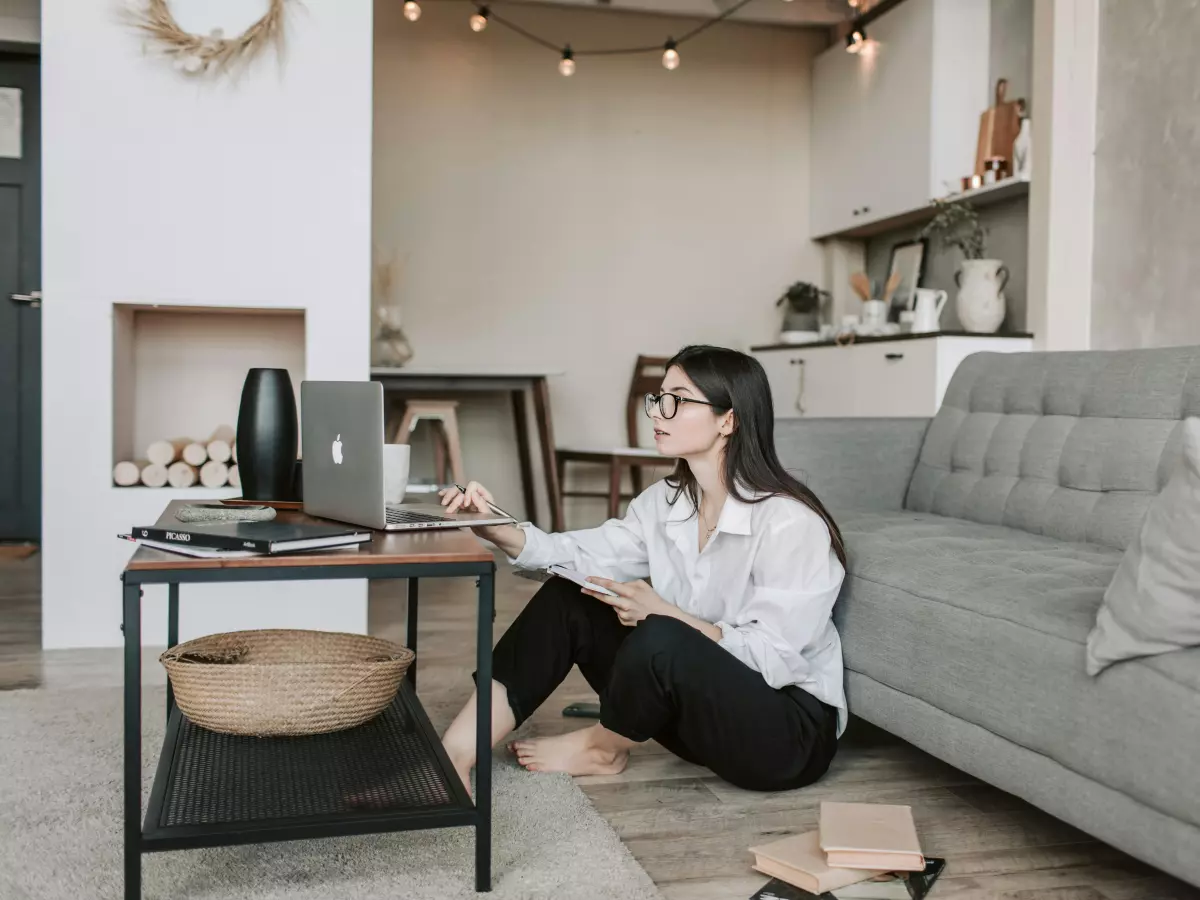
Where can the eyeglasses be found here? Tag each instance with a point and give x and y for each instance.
(668, 404)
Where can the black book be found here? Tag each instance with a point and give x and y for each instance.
(894, 886)
(253, 537)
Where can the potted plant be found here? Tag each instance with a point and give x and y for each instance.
(980, 301)
(802, 307)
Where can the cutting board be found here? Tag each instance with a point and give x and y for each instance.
(998, 128)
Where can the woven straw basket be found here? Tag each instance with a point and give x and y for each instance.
(285, 681)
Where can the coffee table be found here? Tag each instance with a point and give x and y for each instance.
(212, 789)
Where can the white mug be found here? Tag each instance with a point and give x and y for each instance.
(396, 459)
(928, 308)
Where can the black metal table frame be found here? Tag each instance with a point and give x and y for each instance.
(152, 839)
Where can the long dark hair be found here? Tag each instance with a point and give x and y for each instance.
(732, 380)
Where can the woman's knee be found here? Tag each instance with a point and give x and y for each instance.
(555, 591)
(559, 597)
(656, 643)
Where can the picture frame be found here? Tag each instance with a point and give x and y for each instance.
(907, 257)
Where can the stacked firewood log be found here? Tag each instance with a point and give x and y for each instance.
(183, 463)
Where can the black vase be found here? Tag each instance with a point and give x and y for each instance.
(266, 435)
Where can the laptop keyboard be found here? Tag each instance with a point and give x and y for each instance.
(405, 516)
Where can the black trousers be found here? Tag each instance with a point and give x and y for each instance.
(664, 680)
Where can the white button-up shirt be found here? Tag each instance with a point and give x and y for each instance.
(768, 578)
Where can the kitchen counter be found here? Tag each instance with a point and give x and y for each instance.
(884, 338)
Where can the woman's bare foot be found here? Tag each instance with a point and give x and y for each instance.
(581, 752)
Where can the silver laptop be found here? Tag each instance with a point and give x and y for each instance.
(342, 447)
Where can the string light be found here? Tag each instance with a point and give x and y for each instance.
(566, 65)
(484, 16)
(670, 56)
(412, 10)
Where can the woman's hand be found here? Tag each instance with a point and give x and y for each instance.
(474, 500)
(508, 538)
(635, 600)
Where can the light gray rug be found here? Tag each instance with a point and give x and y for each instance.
(60, 829)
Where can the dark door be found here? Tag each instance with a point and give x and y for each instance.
(20, 294)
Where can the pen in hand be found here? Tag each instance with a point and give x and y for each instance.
(497, 510)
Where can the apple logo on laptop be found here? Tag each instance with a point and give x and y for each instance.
(337, 451)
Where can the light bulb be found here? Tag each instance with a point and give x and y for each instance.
(670, 57)
(855, 40)
(566, 65)
(480, 19)
(412, 10)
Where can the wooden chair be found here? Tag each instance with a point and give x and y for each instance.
(442, 416)
(647, 379)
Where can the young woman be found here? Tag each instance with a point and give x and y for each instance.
(730, 660)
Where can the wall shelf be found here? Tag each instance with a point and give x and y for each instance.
(983, 196)
(178, 370)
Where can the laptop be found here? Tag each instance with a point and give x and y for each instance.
(341, 441)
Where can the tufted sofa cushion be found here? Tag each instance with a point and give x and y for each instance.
(989, 624)
(1067, 445)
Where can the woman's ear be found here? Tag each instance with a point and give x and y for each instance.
(728, 424)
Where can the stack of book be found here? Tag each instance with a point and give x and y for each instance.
(865, 851)
(234, 540)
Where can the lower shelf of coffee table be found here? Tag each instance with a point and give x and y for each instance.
(390, 774)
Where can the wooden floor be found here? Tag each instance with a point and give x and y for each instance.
(688, 829)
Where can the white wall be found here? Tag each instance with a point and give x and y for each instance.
(575, 222)
(162, 189)
(1062, 194)
(1147, 207)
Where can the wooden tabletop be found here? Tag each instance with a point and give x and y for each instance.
(436, 545)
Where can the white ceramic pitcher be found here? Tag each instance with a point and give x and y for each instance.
(981, 303)
(929, 306)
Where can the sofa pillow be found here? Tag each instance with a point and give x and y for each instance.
(1153, 603)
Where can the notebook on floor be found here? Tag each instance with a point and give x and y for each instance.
(892, 886)
(799, 860)
(870, 836)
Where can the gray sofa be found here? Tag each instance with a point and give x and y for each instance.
(980, 545)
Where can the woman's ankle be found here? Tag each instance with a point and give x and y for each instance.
(608, 742)
(459, 740)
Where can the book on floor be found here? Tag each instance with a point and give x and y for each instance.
(254, 538)
(875, 836)
(889, 886)
(893, 885)
(778, 889)
(799, 860)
